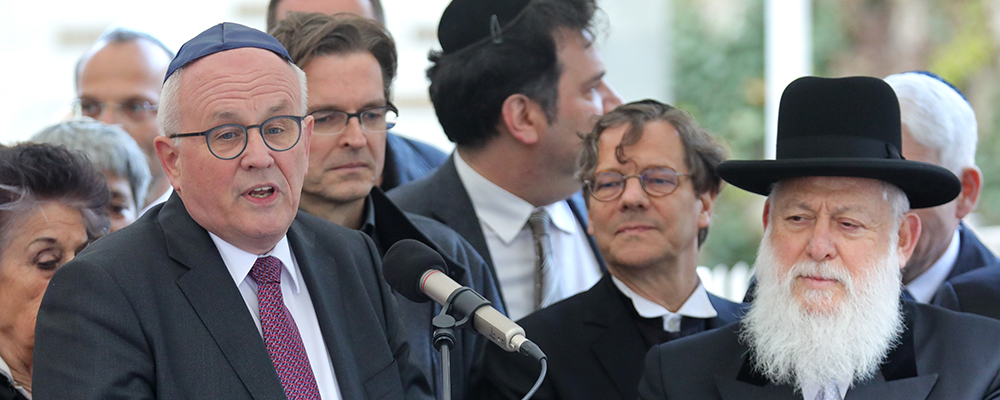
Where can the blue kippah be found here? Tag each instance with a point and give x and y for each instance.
(937, 77)
(222, 37)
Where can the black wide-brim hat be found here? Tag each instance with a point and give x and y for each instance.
(842, 127)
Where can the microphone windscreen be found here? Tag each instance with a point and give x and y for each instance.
(405, 262)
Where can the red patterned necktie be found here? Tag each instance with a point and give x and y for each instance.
(281, 336)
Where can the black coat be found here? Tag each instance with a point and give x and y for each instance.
(941, 355)
(594, 345)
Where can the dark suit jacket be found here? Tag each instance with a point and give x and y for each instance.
(942, 355)
(972, 253)
(151, 311)
(442, 197)
(464, 265)
(976, 292)
(7, 391)
(594, 345)
(407, 159)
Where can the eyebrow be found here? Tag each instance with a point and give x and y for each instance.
(367, 105)
(595, 79)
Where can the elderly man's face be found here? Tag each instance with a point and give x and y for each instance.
(249, 201)
(637, 230)
(840, 225)
(344, 167)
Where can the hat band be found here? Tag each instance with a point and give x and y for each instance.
(830, 146)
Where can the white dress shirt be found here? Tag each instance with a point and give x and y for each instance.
(924, 286)
(697, 305)
(162, 199)
(297, 301)
(5, 370)
(504, 220)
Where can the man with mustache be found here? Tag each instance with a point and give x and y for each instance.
(649, 231)
(350, 63)
(827, 322)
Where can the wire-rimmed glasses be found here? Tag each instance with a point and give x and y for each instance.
(656, 181)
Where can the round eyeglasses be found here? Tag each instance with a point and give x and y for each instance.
(133, 110)
(656, 181)
(375, 119)
(228, 141)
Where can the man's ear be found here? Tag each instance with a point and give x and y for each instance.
(523, 118)
(909, 233)
(972, 185)
(706, 209)
(166, 151)
(767, 212)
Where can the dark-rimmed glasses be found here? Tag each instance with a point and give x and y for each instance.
(229, 140)
(375, 119)
(656, 181)
(132, 110)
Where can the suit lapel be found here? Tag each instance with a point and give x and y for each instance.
(213, 295)
(321, 275)
(612, 323)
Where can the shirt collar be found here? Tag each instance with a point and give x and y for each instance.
(5, 371)
(502, 211)
(240, 262)
(924, 286)
(368, 220)
(698, 305)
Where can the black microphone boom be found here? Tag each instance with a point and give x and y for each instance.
(417, 272)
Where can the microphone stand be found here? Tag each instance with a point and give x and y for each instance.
(444, 329)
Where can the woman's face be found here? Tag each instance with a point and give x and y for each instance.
(122, 209)
(38, 244)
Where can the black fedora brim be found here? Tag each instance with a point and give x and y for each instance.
(926, 185)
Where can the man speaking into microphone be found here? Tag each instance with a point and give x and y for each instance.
(649, 230)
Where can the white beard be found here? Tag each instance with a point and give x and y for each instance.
(847, 344)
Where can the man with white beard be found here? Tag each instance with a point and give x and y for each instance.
(827, 322)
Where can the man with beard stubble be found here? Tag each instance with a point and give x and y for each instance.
(827, 322)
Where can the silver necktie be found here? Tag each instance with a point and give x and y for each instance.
(538, 222)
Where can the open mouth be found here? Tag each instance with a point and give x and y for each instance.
(261, 192)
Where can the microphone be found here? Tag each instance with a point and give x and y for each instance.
(418, 273)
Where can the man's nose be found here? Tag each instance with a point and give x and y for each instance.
(821, 246)
(353, 134)
(610, 99)
(633, 195)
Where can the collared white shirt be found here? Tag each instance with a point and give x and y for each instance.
(162, 199)
(811, 389)
(697, 305)
(5, 370)
(503, 218)
(924, 286)
(297, 301)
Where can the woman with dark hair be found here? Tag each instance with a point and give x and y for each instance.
(52, 204)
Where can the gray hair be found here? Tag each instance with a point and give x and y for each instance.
(169, 116)
(899, 204)
(108, 147)
(938, 117)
